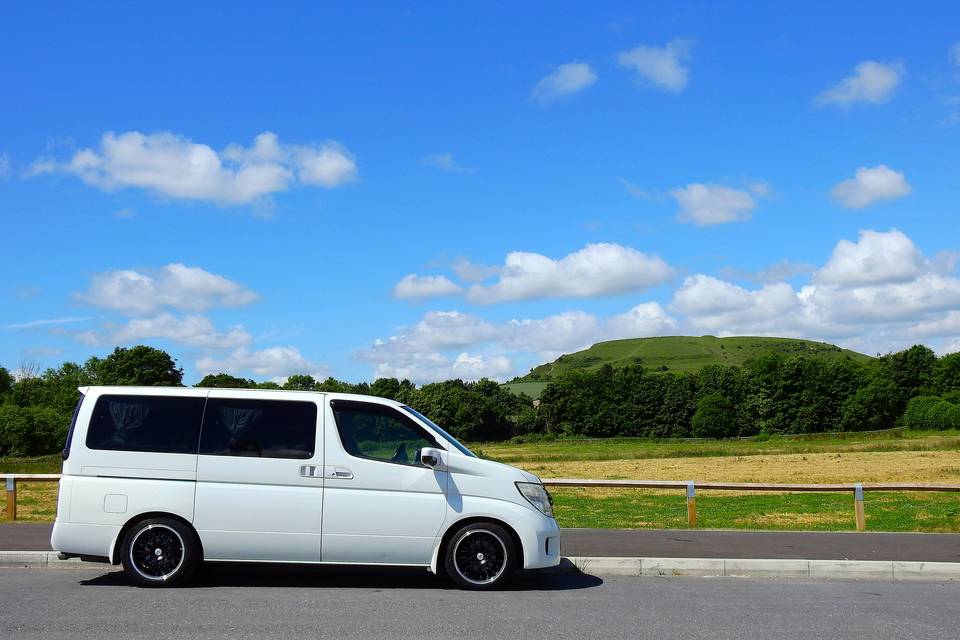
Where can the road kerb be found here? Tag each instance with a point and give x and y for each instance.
(632, 566)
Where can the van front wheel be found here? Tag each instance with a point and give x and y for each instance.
(159, 552)
(480, 555)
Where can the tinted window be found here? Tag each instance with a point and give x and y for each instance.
(379, 432)
(161, 424)
(259, 428)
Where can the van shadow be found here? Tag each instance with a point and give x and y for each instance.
(212, 575)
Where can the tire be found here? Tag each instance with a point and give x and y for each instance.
(160, 552)
(480, 556)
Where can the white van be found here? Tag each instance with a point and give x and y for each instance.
(161, 479)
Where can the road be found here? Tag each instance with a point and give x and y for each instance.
(678, 543)
(296, 602)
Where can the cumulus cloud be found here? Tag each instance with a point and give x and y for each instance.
(173, 166)
(875, 258)
(871, 82)
(710, 204)
(870, 185)
(175, 285)
(663, 67)
(193, 330)
(565, 80)
(874, 294)
(445, 162)
(438, 346)
(597, 269)
(272, 362)
(414, 286)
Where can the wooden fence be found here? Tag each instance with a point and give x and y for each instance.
(689, 486)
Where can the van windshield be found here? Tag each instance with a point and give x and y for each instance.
(446, 436)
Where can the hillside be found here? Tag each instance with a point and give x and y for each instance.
(675, 353)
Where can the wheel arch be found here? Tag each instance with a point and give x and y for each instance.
(118, 542)
(436, 565)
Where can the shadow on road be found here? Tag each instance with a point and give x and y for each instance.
(322, 577)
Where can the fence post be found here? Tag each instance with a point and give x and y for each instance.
(691, 504)
(11, 498)
(858, 506)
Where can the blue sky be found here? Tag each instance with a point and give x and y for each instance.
(376, 189)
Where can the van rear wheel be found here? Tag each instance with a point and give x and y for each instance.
(480, 556)
(159, 552)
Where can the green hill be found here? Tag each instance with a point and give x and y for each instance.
(675, 353)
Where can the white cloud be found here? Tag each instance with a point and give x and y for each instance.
(432, 367)
(876, 294)
(33, 324)
(175, 286)
(870, 185)
(565, 80)
(595, 270)
(194, 330)
(644, 320)
(947, 325)
(663, 67)
(872, 82)
(875, 258)
(445, 162)
(414, 286)
(472, 272)
(173, 166)
(709, 204)
(272, 362)
(427, 351)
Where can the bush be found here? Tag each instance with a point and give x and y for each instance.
(714, 418)
(931, 412)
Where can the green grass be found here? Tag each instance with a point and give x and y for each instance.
(676, 353)
(885, 511)
(641, 448)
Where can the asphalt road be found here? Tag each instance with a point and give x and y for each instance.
(679, 543)
(256, 602)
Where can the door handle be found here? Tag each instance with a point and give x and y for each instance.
(340, 473)
(310, 471)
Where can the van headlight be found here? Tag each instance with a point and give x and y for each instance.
(537, 496)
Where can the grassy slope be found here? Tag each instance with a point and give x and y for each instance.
(677, 353)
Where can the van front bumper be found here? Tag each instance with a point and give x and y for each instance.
(541, 545)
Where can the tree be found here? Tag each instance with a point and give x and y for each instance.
(300, 382)
(715, 418)
(871, 408)
(946, 373)
(911, 370)
(6, 381)
(225, 381)
(139, 365)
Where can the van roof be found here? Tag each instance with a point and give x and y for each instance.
(148, 390)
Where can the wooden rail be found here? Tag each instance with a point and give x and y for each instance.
(689, 486)
(857, 488)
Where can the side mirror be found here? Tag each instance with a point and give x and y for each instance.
(430, 457)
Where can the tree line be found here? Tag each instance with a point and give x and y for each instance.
(769, 395)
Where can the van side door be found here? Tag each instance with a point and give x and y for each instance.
(260, 477)
(381, 505)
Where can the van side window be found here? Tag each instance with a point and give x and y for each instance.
(158, 424)
(378, 432)
(259, 428)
